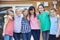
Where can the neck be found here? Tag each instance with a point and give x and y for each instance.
(25, 17)
(42, 11)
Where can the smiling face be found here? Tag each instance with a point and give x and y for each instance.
(25, 12)
(53, 12)
(10, 12)
(41, 9)
(32, 11)
(18, 12)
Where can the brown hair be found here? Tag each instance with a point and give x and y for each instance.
(24, 11)
(53, 9)
(41, 5)
(10, 11)
(30, 9)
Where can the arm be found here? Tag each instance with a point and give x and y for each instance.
(59, 26)
(38, 20)
(47, 12)
(5, 26)
(10, 17)
(38, 23)
(57, 35)
(58, 23)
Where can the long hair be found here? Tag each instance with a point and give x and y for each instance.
(24, 11)
(30, 9)
(10, 11)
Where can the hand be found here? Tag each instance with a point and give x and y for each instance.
(3, 34)
(57, 35)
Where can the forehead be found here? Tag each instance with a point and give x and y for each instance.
(32, 10)
(18, 10)
(26, 10)
(40, 6)
(52, 11)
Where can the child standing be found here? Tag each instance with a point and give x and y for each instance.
(55, 25)
(44, 20)
(17, 24)
(25, 29)
(8, 26)
(35, 29)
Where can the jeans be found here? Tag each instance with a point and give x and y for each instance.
(7, 37)
(26, 36)
(45, 35)
(35, 34)
(16, 36)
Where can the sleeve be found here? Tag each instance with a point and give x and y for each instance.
(47, 12)
(38, 16)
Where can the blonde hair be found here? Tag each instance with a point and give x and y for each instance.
(18, 9)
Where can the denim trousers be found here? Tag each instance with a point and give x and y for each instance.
(7, 37)
(45, 35)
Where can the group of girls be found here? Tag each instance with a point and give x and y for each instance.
(31, 23)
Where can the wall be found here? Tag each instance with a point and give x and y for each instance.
(31, 2)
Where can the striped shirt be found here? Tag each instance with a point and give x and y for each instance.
(25, 26)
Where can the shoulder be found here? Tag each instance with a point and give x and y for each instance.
(39, 15)
(47, 12)
(23, 19)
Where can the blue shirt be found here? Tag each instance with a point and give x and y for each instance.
(25, 26)
(17, 23)
(54, 25)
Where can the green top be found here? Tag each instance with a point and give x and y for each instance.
(44, 21)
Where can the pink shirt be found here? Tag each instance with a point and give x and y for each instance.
(34, 22)
(9, 28)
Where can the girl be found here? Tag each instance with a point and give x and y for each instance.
(8, 26)
(55, 25)
(44, 20)
(17, 24)
(25, 29)
(35, 29)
